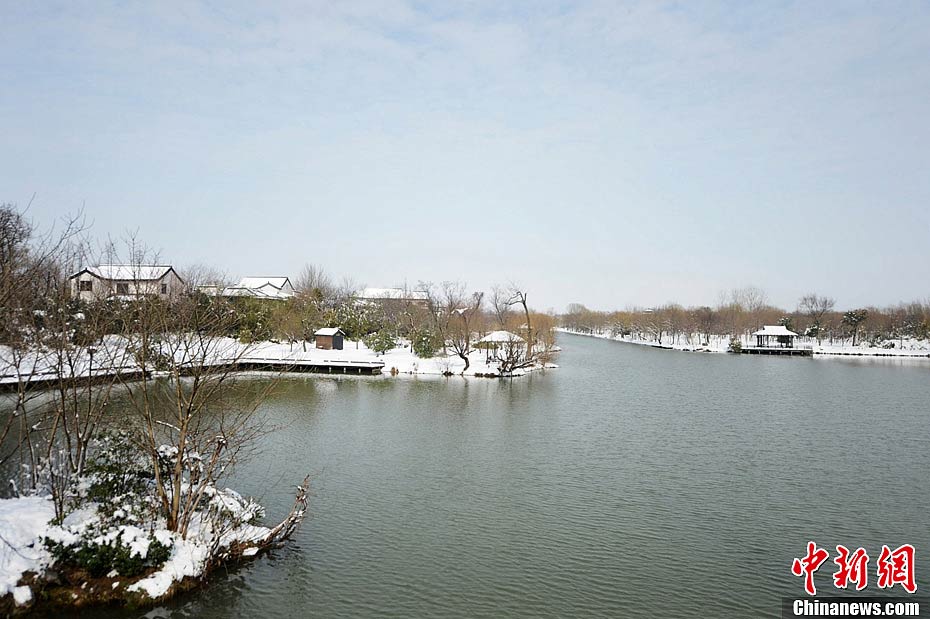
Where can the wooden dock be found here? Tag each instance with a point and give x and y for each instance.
(46, 380)
(321, 366)
(49, 380)
(772, 350)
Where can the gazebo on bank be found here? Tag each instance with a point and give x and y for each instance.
(496, 340)
(775, 336)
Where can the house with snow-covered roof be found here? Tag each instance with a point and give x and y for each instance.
(125, 280)
(276, 288)
(392, 296)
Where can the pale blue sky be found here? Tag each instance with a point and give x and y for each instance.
(600, 152)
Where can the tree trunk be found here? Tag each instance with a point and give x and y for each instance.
(529, 330)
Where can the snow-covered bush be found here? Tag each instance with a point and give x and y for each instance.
(116, 522)
(98, 548)
(112, 511)
(380, 341)
(424, 344)
(230, 508)
(735, 345)
(115, 471)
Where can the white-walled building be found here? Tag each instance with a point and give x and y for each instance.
(125, 280)
(256, 288)
(392, 296)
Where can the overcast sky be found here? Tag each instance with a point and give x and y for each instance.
(598, 152)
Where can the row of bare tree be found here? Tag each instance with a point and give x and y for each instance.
(742, 311)
(446, 317)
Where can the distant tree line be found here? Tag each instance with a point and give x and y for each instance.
(741, 311)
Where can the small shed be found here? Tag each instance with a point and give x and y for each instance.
(329, 338)
(775, 336)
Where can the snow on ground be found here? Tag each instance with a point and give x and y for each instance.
(188, 558)
(110, 354)
(714, 344)
(400, 360)
(22, 522)
(908, 348)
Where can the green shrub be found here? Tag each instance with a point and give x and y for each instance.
(118, 481)
(98, 554)
(118, 477)
(735, 345)
(380, 341)
(424, 344)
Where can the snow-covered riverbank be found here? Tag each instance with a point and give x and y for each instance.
(908, 349)
(113, 355)
(397, 361)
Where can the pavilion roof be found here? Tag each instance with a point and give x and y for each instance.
(775, 330)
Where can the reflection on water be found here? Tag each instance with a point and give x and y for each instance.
(630, 482)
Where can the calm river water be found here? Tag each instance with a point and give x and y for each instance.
(630, 482)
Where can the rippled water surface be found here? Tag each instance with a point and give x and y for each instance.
(630, 482)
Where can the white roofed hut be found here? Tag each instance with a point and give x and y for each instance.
(329, 338)
(775, 336)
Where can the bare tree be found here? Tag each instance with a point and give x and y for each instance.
(32, 262)
(750, 298)
(438, 314)
(348, 289)
(198, 276)
(44, 347)
(815, 307)
(511, 355)
(518, 297)
(314, 280)
(87, 365)
(501, 306)
(464, 312)
(455, 315)
(195, 417)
